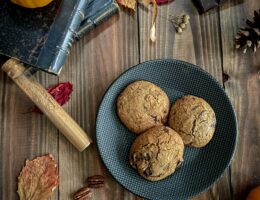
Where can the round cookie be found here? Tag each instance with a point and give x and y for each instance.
(156, 153)
(142, 105)
(194, 119)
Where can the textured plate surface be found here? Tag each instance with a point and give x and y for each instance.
(201, 167)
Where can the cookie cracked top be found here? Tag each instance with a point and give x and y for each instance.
(194, 119)
(156, 153)
(142, 105)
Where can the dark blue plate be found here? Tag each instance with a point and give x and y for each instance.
(201, 167)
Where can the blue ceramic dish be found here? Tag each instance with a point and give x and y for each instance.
(201, 167)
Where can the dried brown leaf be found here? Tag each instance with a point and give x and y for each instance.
(38, 178)
(127, 3)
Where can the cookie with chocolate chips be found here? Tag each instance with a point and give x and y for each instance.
(142, 105)
(156, 153)
(194, 119)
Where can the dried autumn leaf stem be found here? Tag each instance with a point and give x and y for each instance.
(155, 11)
(131, 4)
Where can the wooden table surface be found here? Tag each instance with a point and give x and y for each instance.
(109, 50)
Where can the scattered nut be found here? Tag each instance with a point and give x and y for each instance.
(96, 181)
(83, 193)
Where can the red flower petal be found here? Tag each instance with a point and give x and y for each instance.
(60, 92)
(159, 2)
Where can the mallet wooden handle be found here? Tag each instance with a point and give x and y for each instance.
(45, 102)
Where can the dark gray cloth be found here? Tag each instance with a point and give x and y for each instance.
(40, 37)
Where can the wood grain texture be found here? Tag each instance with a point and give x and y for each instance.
(46, 103)
(200, 44)
(243, 87)
(98, 59)
(23, 134)
(94, 63)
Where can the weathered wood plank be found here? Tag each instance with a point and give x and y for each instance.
(94, 63)
(23, 134)
(198, 44)
(243, 87)
(98, 59)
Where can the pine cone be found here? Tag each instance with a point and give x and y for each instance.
(249, 37)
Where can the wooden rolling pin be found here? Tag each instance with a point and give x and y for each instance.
(47, 104)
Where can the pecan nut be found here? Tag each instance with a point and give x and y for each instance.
(96, 181)
(83, 193)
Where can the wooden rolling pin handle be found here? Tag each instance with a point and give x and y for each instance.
(45, 102)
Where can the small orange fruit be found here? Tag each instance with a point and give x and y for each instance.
(254, 194)
(32, 3)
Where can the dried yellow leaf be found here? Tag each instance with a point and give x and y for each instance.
(127, 3)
